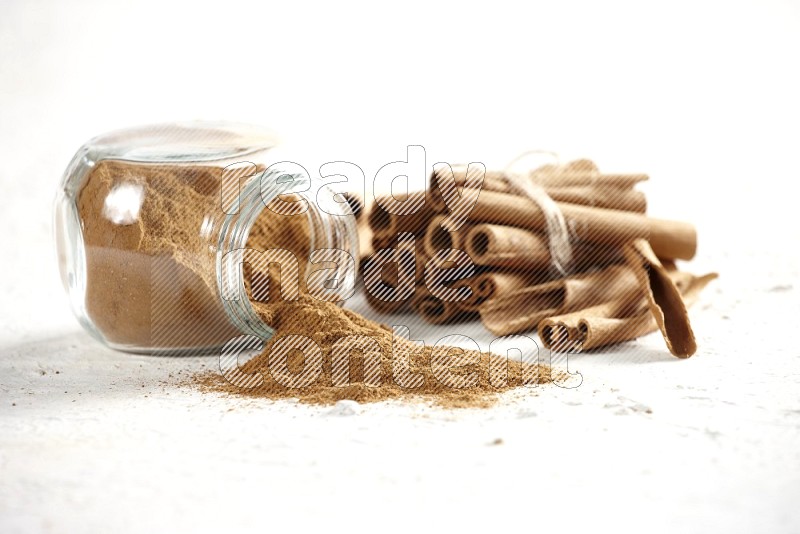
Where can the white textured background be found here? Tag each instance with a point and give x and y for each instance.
(700, 95)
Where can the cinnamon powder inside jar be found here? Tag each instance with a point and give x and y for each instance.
(150, 253)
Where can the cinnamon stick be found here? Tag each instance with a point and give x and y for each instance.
(600, 196)
(385, 224)
(578, 185)
(583, 172)
(522, 310)
(494, 284)
(615, 321)
(663, 297)
(438, 238)
(669, 239)
(437, 311)
(389, 277)
(510, 247)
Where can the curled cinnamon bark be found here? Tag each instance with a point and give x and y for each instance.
(437, 238)
(522, 310)
(577, 182)
(495, 284)
(385, 224)
(669, 239)
(663, 297)
(389, 278)
(501, 246)
(615, 321)
(438, 311)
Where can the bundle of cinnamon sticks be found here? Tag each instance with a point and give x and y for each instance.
(478, 247)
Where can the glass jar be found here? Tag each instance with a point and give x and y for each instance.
(152, 225)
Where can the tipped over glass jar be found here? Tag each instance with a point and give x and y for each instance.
(153, 225)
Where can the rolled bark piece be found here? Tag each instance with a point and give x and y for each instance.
(422, 261)
(609, 197)
(583, 172)
(510, 247)
(613, 322)
(431, 308)
(381, 242)
(436, 311)
(492, 180)
(357, 205)
(663, 297)
(575, 185)
(574, 173)
(507, 246)
(386, 224)
(573, 178)
(669, 239)
(436, 238)
(522, 310)
(387, 241)
(494, 284)
(389, 278)
(365, 237)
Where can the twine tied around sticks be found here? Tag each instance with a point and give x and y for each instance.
(559, 239)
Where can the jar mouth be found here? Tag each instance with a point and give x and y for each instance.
(326, 230)
(230, 262)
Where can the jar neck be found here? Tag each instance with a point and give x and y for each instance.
(336, 230)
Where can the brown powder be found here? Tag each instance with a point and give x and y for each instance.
(151, 282)
(150, 239)
(149, 266)
(325, 323)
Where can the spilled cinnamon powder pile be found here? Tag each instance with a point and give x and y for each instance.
(327, 323)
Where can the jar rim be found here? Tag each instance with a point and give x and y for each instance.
(326, 230)
(188, 141)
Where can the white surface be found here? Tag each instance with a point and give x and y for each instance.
(699, 95)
